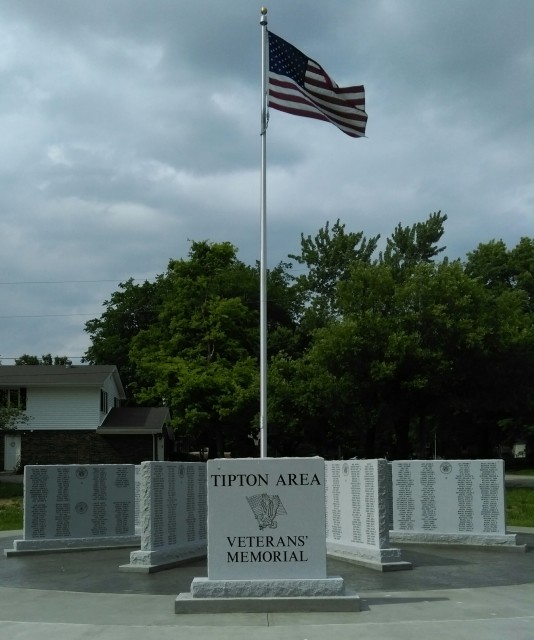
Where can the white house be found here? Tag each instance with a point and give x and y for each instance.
(67, 407)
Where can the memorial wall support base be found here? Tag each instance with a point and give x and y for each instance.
(153, 561)
(504, 541)
(61, 545)
(372, 558)
(264, 596)
(185, 603)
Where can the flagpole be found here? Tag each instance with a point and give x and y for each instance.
(263, 239)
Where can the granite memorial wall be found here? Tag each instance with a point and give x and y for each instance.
(78, 506)
(137, 494)
(357, 528)
(449, 501)
(172, 514)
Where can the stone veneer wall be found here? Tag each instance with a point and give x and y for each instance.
(83, 447)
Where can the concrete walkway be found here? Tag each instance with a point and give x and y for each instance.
(519, 481)
(460, 593)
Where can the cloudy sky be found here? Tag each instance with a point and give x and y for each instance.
(129, 128)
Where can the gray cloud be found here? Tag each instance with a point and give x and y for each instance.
(130, 128)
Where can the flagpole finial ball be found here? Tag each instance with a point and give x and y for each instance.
(263, 11)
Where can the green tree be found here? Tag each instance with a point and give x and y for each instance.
(199, 358)
(305, 407)
(13, 409)
(12, 418)
(417, 349)
(367, 357)
(134, 308)
(431, 354)
(522, 260)
(500, 269)
(344, 348)
(190, 340)
(508, 276)
(45, 359)
(328, 258)
(27, 359)
(410, 246)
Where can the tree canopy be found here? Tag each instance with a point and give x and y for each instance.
(45, 359)
(397, 354)
(12, 417)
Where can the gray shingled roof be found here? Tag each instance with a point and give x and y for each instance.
(41, 375)
(136, 420)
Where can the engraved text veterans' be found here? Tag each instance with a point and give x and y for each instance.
(279, 549)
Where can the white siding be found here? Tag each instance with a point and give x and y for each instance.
(111, 389)
(63, 408)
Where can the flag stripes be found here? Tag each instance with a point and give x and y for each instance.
(300, 86)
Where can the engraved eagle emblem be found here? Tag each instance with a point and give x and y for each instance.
(265, 509)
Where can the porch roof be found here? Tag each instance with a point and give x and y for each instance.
(137, 421)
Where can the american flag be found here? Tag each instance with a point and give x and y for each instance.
(300, 86)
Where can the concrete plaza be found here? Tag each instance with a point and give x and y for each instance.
(452, 592)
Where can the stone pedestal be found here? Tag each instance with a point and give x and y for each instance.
(206, 588)
(266, 540)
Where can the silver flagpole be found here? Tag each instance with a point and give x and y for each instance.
(263, 238)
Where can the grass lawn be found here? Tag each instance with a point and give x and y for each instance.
(10, 506)
(520, 506)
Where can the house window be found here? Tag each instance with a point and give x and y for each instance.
(117, 403)
(103, 401)
(13, 398)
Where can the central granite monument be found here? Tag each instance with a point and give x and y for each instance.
(266, 540)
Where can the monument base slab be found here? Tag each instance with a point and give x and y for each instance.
(278, 588)
(186, 603)
(379, 559)
(153, 561)
(58, 545)
(502, 541)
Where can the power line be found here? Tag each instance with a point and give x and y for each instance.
(49, 315)
(18, 358)
(144, 279)
(72, 281)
